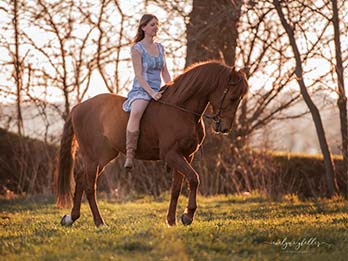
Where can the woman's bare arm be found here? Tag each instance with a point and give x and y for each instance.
(165, 74)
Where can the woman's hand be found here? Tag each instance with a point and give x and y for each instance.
(156, 95)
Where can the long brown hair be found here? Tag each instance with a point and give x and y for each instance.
(143, 22)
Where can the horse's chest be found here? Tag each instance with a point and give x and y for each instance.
(188, 145)
(189, 141)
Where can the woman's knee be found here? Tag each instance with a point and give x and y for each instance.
(138, 108)
(136, 114)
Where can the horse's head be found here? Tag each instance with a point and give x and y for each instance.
(226, 99)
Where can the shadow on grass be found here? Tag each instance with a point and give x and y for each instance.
(26, 203)
(264, 209)
(244, 200)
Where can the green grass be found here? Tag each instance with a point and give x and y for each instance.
(226, 228)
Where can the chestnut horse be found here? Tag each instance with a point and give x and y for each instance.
(172, 130)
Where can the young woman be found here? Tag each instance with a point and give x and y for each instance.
(149, 65)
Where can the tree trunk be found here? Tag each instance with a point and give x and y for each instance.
(212, 34)
(342, 99)
(212, 31)
(330, 173)
(18, 70)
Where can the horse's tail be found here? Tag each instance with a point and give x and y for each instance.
(65, 172)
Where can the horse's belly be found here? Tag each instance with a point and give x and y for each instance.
(147, 154)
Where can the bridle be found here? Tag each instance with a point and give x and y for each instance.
(216, 117)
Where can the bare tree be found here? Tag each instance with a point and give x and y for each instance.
(330, 12)
(259, 51)
(342, 99)
(109, 47)
(215, 31)
(14, 65)
(76, 45)
(18, 68)
(329, 166)
(53, 51)
(66, 44)
(172, 33)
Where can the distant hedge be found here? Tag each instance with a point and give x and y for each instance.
(305, 174)
(27, 167)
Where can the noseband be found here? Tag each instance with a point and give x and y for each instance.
(216, 117)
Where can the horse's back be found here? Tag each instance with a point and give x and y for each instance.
(100, 120)
(98, 108)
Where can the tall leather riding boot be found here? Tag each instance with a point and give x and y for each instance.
(131, 147)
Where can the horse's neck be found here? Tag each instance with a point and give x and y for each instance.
(198, 99)
(198, 104)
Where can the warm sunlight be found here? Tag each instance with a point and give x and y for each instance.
(173, 130)
(97, 60)
(96, 84)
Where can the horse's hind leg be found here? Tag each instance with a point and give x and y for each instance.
(92, 171)
(68, 220)
(90, 189)
(75, 212)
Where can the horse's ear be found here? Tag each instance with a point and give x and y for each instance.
(234, 73)
(245, 72)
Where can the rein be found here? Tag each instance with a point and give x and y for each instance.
(215, 117)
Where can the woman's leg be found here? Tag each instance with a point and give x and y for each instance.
(137, 109)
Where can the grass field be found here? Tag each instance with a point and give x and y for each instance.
(249, 227)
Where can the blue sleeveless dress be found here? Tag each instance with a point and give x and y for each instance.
(151, 70)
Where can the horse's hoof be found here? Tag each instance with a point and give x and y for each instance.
(103, 227)
(186, 220)
(171, 223)
(66, 221)
(99, 223)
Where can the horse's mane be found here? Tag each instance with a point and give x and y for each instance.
(197, 78)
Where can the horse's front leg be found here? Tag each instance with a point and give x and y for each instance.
(175, 192)
(180, 163)
(177, 179)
